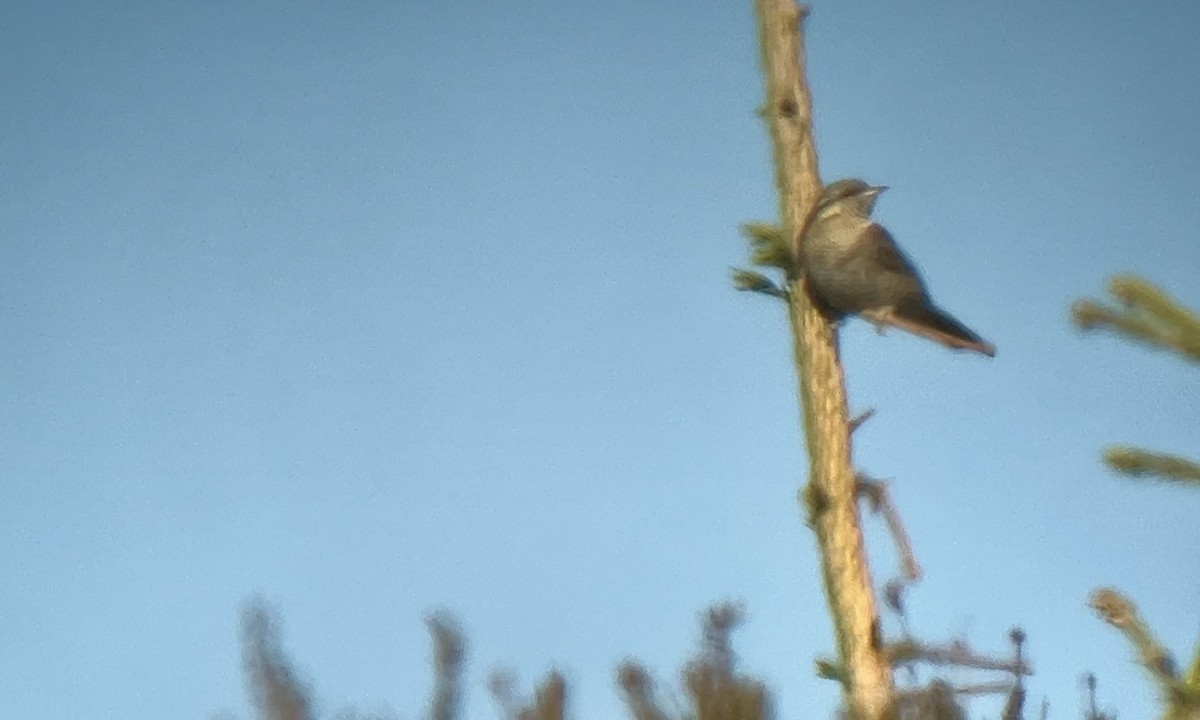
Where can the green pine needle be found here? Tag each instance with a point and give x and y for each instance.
(750, 281)
(1146, 314)
(768, 245)
(1133, 461)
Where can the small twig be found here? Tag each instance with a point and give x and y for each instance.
(1017, 637)
(1014, 706)
(857, 421)
(1120, 612)
(1093, 708)
(876, 493)
(996, 687)
(956, 654)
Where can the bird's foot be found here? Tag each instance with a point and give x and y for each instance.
(879, 319)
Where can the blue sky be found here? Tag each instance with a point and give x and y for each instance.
(374, 308)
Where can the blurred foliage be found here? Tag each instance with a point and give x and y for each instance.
(1146, 314)
(1180, 695)
(449, 654)
(1143, 313)
(715, 690)
(276, 690)
(768, 250)
(549, 701)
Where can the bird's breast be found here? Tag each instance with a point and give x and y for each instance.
(836, 262)
(835, 234)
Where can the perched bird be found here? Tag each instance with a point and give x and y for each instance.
(854, 267)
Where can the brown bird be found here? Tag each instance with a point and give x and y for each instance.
(854, 267)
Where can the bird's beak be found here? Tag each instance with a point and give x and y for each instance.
(876, 190)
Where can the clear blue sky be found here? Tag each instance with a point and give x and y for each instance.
(377, 307)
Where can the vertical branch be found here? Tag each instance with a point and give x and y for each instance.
(829, 496)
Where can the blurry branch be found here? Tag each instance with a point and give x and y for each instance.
(714, 687)
(637, 690)
(549, 701)
(1182, 695)
(1146, 314)
(716, 690)
(955, 654)
(501, 683)
(275, 690)
(278, 694)
(1014, 706)
(939, 698)
(829, 497)
(880, 502)
(860, 419)
(449, 650)
(1092, 711)
(937, 701)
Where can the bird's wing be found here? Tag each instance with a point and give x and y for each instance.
(888, 255)
(916, 313)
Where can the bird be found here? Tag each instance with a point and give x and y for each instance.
(853, 266)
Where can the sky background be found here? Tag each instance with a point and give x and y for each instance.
(373, 308)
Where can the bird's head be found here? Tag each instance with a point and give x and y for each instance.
(849, 195)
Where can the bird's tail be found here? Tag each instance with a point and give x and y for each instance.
(931, 322)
